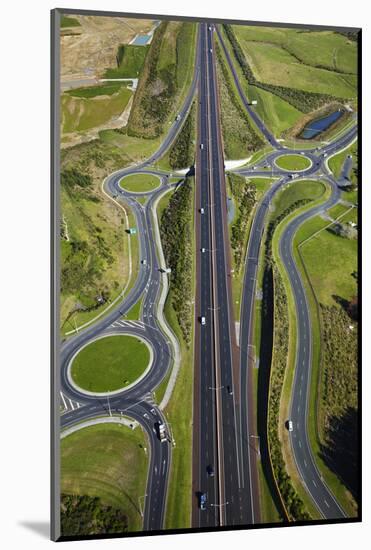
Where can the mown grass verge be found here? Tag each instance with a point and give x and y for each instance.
(107, 461)
(239, 137)
(180, 418)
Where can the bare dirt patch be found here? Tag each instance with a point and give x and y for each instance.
(94, 48)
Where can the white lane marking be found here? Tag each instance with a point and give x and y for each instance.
(305, 463)
(314, 483)
(327, 504)
(300, 444)
(64, 401)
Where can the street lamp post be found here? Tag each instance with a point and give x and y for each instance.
(140, 504)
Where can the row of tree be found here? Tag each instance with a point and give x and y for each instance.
(176, 236)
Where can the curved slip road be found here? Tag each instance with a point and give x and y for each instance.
(299, 407)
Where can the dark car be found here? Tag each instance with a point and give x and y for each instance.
(203, 500)
(210, 470)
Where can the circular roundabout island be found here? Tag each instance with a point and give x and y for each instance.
(293, 162)
(110, 364)
(140, 183)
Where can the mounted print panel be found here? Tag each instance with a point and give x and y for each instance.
(205, 275)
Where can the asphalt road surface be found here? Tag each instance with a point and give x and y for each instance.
(223, 432)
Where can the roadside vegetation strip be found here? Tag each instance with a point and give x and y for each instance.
(177, 387)
(94, 262)
(106, 461)
(239, 136)
(335, 162)
(176, 238)
(110, 363)
(140, 183)
(165, 76)
(293, 163)
(181, 154)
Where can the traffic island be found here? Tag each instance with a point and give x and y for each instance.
(110, 365)
(293, 163)
(140, 183)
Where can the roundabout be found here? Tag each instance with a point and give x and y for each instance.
(140, 183)
(293, 162)
(110, 365)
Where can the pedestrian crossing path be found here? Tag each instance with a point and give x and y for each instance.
(128, 324)
(67, 404)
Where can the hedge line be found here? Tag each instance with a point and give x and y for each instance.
(181, 154)
(302, 100)
(245, 195)
(85, 515)
(176, 237)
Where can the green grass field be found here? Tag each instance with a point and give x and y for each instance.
(300, 190)
(110, 363)
(84, 113)
(321, 62)
(67, 22)
(330, 261)
(95, 247)
(89, 111)
(294, 163)
(140, 183)
(336, 162)
(94, 91)
(107, 461)
(278, 114)
(131, 59)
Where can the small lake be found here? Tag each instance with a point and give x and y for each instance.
(142, 39)
(315, 127)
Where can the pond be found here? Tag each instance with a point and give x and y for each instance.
(315, 127)
(142, 39)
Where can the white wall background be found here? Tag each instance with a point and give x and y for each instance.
(24, 273)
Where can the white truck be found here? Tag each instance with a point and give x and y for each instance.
(161, 432)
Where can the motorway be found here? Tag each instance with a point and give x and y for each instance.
(214, 419)
(223, 424)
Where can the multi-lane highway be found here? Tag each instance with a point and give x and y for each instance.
(224, 451)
